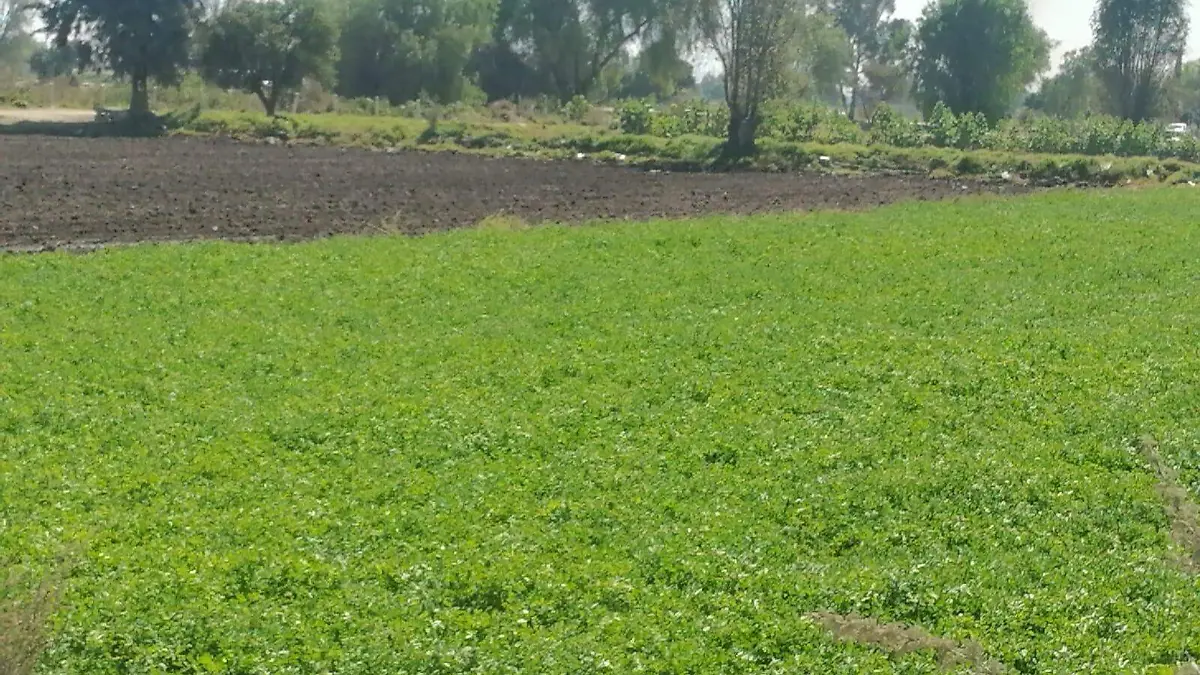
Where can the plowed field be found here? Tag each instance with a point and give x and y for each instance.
(65, 192)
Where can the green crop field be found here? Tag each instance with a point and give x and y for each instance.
(673, 447)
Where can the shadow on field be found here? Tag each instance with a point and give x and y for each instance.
(82, 129)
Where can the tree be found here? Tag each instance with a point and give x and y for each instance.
(401, 49)
(1137, 46)
(887, 78)
(711, 87)
(142, 40)
(1183, 94)
(269, 48)
(876, 42)
(823, 57)
(50, 61)
(658, 71)
(570, 43)
(16, 40)
(1074, 91)
(978, 55)
(755, 42)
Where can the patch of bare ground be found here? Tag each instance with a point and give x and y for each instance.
(900, 639)
(1182, 512)
(23, 624)
(87, 192)
(15, 115)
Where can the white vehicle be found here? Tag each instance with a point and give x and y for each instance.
(1178, 131)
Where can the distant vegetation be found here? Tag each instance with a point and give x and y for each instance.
(979, 60)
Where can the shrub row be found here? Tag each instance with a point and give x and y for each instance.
(805, 123)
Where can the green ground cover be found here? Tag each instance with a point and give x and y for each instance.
(623, 448)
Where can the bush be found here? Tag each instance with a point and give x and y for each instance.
(577, 109)
(635, 117)
(889, 127)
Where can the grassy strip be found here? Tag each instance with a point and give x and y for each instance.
(562, 141)
(654, 448)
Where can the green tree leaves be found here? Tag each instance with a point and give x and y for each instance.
(402, 49)
(1139, 44)
(877, 47)
(978, 55)
(142, 40)
(269, 48)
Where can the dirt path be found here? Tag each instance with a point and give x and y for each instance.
(57, 192)
(70, 115)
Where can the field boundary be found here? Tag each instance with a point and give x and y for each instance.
(1183, 513)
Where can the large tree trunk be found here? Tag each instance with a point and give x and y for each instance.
(139, 101)
(740, 139)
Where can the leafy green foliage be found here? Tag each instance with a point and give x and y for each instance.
(268, 48)
(1138, 44)
(141, 40)
(978, 55)
(800, 122)
(878, 49)
(402, 50)
(1074, 91)
(568, 45)
(655, 447)
(51, 61)
(16, 36)
(659, 71)
(824, 56)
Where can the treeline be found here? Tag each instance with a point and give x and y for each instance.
(978, 57)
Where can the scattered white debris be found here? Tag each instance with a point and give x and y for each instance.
(1006, 175)
(620, 157)
(580, 155)
(1149, 173)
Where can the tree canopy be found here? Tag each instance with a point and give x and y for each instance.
(141, 40)
(878, 45)
(978, 56)
(269, 47)
(403, 49)
(1138, 45)
(568, 44)
(16, 37)
(971, 56)
(1072, 92)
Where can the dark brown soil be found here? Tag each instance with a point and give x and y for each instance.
(57, 192)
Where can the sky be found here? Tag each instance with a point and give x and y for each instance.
(1068, 22)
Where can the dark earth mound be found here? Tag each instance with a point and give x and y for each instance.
(68, 192)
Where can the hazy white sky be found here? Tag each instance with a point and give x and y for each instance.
(1068, 22)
